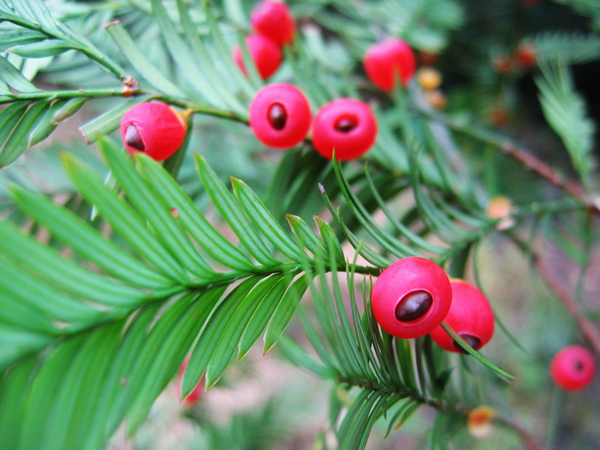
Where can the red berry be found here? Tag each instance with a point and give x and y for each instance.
(280, 115)
(266, 55)
(573, 368)
(346, 125)
(273, 20)
(411, 297)
(502, 64)
(470, 315)
(196, 394)
(153, 128)
(385, 61)
(526, 57)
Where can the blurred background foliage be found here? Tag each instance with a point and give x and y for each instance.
(267, 402)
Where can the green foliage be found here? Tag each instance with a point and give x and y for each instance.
(565, 112)
(132, 309)
(566, 48)
(113, 273)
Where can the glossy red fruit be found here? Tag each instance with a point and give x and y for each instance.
(346, 125)
(387, 61)
(280, 116)
(266, 55)
(196, 395)
(573, 368)
(154, 129)
(411, 297)
(273, 20)
(470, 315)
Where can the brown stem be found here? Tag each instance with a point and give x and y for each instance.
(528, 440)
(587, 329)
(520, 154)
(545, 171)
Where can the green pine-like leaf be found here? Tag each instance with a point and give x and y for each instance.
(146, 304)
(566, 113)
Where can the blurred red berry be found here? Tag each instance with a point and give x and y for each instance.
(502, 64)
(266, 55)
(388, 61)
(499, 116)
(526, 56)
(411, 297)
(345, 125)
(273, 20)
(154, 129)
(573, 368)
(280, 116)
(470, 315)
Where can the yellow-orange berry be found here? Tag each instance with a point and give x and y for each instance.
(479, 422)
(436, 98)
(429, 78)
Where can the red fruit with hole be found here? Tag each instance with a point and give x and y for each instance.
(273, 20)
(388, 61)
(411, 297)
(470, 315)
(280, 116)
(573, 368)
(345, 125)
(266, 55)
(196, 395)
(154, 129)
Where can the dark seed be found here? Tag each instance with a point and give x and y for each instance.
(471, 340)
(133, 138)
(277, 116)
(578, 365)
(345, 125)
(413, 305)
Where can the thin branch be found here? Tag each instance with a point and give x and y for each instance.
(80, 45)
(53, 95)
(528, 440)
(587, 329)
(518, 153)
(126, 92)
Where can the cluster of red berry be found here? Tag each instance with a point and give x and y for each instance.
(274, 27)
(524, 58)
(280, 114)
(414, 295)
(280, 117)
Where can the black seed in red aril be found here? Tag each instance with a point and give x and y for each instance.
(277, 116)
(473, 342)
(413, 306)
(133, 138)
(578, 365)
(346, 124)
